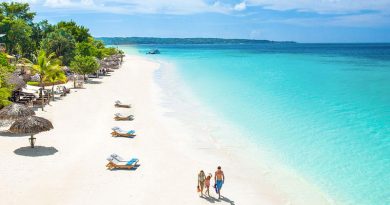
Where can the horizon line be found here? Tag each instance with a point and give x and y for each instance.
(245, 39)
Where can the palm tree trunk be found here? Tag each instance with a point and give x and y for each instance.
(52, 91)
(41, 93)
(74, 80)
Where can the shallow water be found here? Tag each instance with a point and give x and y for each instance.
(321, 109)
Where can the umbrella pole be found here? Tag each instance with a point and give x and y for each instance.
(32, 141)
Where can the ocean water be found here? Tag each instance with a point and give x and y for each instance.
(322, 109)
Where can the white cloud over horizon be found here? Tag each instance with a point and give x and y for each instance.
(220, 6)
(323, 6)
(345, 12)
(240, 6)
(178, 7)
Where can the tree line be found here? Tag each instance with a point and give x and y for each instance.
(46, 46)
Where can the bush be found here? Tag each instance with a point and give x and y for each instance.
(33, 83)
(84, 65)
(3, 59)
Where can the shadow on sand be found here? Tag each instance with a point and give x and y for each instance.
(227, 200)
(132, 169)
(7, 133)
(94, 82)
(211, 199)
(37, 151)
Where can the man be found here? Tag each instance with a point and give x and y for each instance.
(219, 178)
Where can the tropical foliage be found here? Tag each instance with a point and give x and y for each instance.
(44, 66)
(49, 46)
(5, 87)
(84, 65)
(54, 76)
(61, 43)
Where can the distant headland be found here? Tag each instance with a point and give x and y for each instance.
(152, 40)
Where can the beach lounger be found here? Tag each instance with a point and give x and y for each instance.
(113, 163)
(66, 90)
(117, 157)
(27, 95)
(118, 132)
(38, 102)
(119, 104)
(120, 117)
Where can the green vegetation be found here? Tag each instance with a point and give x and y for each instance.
(49, 46)
(24, 36)
(5, 88)
(84, 65)
(61, 43)
(33, 83)
(54, 76)
(44, 65)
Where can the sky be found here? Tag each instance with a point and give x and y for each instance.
(279, 20)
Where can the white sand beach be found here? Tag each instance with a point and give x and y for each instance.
(72, 168)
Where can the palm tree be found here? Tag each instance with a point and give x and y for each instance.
(54, 76)
(43, 66)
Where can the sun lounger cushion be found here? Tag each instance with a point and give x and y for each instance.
(132, 161)
(115, 161)
(131, 132)
(115, 128)
(119, 158)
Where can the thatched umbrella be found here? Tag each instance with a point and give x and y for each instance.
(15, 111)
(31, 125)
(17, 81)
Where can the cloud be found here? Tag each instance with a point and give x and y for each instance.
(23, 1)
(350, 13)
(216, 6)
(345, 13)
(354, 20)
(141, 6)
(240, 6)
(323, 6)
(361, 20)
(58, 3)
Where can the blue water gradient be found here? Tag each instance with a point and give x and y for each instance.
(323, 109)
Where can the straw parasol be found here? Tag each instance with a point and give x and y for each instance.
(17, 81)
(15, 111)
(31, 125)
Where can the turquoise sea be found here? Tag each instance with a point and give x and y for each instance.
(322, 109)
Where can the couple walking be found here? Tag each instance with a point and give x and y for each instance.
(203, 181)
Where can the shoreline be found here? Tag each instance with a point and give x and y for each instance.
(228, 141)
(169, 158)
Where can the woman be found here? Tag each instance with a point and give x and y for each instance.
(201, 180)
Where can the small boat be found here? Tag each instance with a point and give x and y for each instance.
(155, 51)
